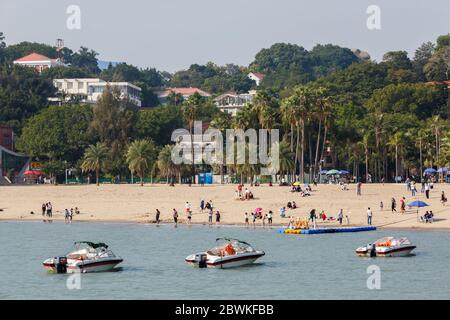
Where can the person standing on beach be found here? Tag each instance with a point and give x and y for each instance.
(393, 205)
(44, 209)
(158, 213)
(202, 205)
(413, 189)
(358, 188)
(217, 217)
(340, 216)
(443, 198)
(66, 216)
(189, 217)
(49, 209)
(427, 190)
(269, 218)
(175, 217)
(210, 216)
(369, 216)
(246, 219)
(381, 205)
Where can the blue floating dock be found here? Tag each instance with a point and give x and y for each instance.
(327, 230)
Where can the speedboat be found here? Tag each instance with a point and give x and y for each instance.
(232, 253)
(87, 257)
(387, 247)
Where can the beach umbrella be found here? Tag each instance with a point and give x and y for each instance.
(418, 204)
(332, 172)
(323, 172)
(32, 173)
(343, 172)
(429, 171)
(258, 210)
(296, 183)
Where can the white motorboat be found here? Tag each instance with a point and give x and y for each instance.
(387, 247)
(87, 257)
(233, 253)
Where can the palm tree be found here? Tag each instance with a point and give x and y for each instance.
(395, 142)
(140, 157)
(190, 113)
(286, 158)
(96, 158)
(165, 164)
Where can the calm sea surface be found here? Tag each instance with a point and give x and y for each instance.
(295, 266)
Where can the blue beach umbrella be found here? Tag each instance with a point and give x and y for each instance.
(429, 171)
(323, 172)
(332, 172)
(343, 172)
(418, 204)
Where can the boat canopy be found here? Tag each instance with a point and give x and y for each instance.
(92, 244)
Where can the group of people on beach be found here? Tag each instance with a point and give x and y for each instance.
(259, 216)
(240, 194)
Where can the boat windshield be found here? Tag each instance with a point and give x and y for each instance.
(230, 247)
(391, 242)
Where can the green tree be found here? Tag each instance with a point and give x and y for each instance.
(141, 156)
(96, 158)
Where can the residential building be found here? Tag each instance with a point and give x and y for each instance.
(256, 76)
(185, 93)
(38, 61)
(232, 102)
(89, 90)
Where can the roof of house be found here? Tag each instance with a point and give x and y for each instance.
(184, 92)
(259, 75)
(438, 82)
(33, 57)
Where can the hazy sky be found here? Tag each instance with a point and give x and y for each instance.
(172, 34)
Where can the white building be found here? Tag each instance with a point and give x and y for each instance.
(256, 76)
(184, 93)
(232, 102)
(38, 62)
(89, 90)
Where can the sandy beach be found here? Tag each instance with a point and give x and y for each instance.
(133, 203)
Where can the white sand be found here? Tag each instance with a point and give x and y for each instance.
(133, 203)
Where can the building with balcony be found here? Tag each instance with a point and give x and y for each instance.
(89, 90)
(232, 102)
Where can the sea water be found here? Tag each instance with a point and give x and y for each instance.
(294, 267)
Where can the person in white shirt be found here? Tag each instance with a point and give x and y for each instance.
(369, 217)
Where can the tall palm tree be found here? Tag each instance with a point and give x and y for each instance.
(190, 114)
(395, 142)
(286, 158)
(96, 158)
(165, 164)
(141, 155)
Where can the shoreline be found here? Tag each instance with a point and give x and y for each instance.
(227, 225)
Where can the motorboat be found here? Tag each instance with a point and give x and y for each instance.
(387, 247)
(231, 253)
(87, 257)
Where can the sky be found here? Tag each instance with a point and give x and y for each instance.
(170, 35)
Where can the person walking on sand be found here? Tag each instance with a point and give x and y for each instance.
(269, 218)
(254, 219)
(340, 216)
(358, 188)
(44, 209)
(369, 216)
(202, 205)
(246, 219)
(427, 190)
(381, 205)
(175, 217)
(413, 189)
(189, 217)
(210, 216)
(66, 216)
(393, 205)
(49, 209)
(402, 205)
(217, 217)
(158, 214)
(443, 198)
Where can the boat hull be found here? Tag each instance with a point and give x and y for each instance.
(387, 252)
(85, 266)
(227, 261)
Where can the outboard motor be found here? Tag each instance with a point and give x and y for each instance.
(202, 260)
(61, 264)
(372, 251)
